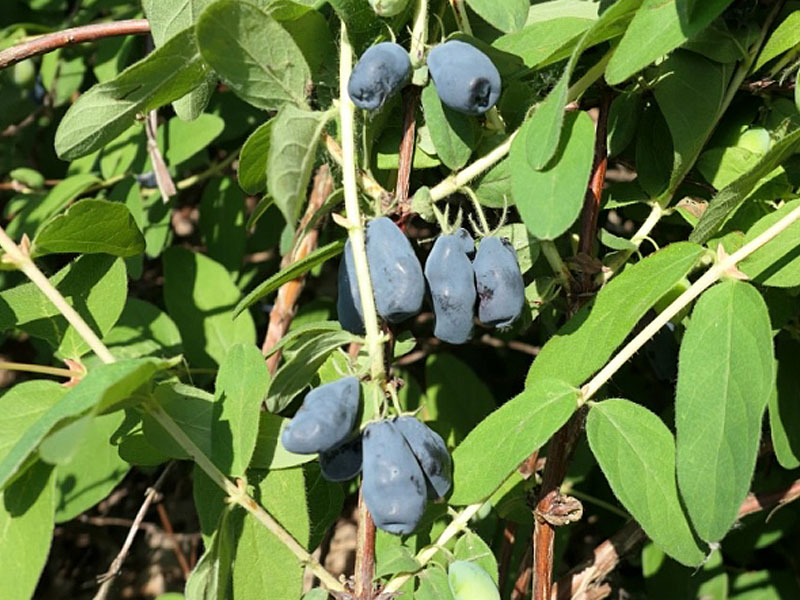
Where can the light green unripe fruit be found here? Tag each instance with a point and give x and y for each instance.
(388, 8)
(468, 581)
(24, 74)
(755, 139)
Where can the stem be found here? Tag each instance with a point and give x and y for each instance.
(353, 212)
(15, 366)
(419, 35)
(365, 554)
(698, 287)
(456, 181)
(238, 495)
(368, 185)
(462, 19)
(426, 554)
(69, 37)
(24, 262)
(559, 268)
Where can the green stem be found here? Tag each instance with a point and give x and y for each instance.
(460, 10)
(355, 231)
(557, 264)
(44, 370)
(238, 495)
(419, 35)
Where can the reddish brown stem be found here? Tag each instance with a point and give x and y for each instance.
(176, 547)
(69, 37)
(509, 537)
(285, 303)
(406, 159)
(523, 583)
(559, 451)
(365, 553)
(594, 193)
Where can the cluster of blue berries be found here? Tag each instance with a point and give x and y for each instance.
(465, 78)
(404, 462)
(457, 283)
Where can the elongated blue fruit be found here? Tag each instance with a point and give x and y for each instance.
(468, 581)
(380, 73)
(325, 419)
(348, 302)
(466, 79)
(501, 291)
(451, 280)
(396, 274)
(342, 462)
(431, 453)
(392, 482)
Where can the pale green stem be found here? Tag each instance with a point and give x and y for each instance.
(238, 495)
(486, 230)
(25, 263)
(708, 278)
(460, 10)
(561, 271)
(374, 342)
(44, 370)
(424, 556)
(456, 181)
(419, 35)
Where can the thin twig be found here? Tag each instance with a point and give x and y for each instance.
(406, 154)
(504, 557)
(107, 578)
(68, 37)
(176, 547)
(365, 553)
(163, 179)
(282, 313)
(29, 368)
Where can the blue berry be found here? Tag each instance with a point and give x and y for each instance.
(380, 73)
(451, 280)
(501, 291)
(342, 462)
(431, 453)
(466, 80)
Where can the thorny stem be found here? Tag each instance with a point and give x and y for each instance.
(239, 495)
(44, 370)
(724, 266)
(426, 554)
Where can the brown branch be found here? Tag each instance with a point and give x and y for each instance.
(365, 553)
(594, 193)
(559, 451)
(163, 179)
(69, 37)
(587, 580)
(504, 558)
(523, 582)
(107, 578)
(176, 547)
(406, 158)
(282, 313)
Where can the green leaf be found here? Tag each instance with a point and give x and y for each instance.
(193, 411)
(264, 567)
(143, 330)
(26, 532)
(433, 585)
(183, 139)
(785, 37)
(119, 155)
(36, 212)
(91, 226)
(104, 389)
(777, 263)
(23, 405)
(772, 584)
(395, 558)
(211, 577)
(784, 405)
(253, 54)
(109, 108)
(561, 186)
(241, 384)
(636, 452)
(94, 285)
(667, 580)
(524, 424)
(325, 500)
(222, 209)
(506, 16)
(453, 134)
(732, 196)
(541, 42)
(657, 28)
(494, 188)
(654, 152)
(687, 75)
(726, 374)
(94, 469)
(363, 27)
(253, 160)
(293, 271)
(457, 398)
(200, 297)
(295, 374)
(471, 547)
(623, 118)
(294, 137)
(587, 341)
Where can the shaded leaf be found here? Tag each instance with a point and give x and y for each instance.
(777, 263)
(252, 172)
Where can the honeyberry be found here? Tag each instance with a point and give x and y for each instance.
(501, 291)
(465, 78)
(469, 581)
(451, 280)
(379, 74)
(431, 453)
(393, 484)
(325, 419)
(348, 302)
(342, 462)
